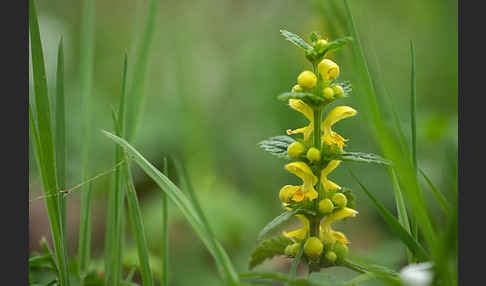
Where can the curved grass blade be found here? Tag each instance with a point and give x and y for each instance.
(389, 143)
(401, 208)
(295, 263)
(438, 195)
(278, 277)
(395, 226)
(41, 129)
(164, 280)
(186, 207)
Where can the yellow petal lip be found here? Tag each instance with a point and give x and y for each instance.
(333, 164)
(338, 215)
(336, 114)
(300, 233)
(303, 108)
(301, 170)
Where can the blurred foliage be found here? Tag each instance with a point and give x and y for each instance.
(215, 71)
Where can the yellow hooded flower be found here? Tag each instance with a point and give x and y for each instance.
(327, 234)
(304, 172)
(307, 111)
(329, 185)
(339, 215)
(300, 233)
(330, 137)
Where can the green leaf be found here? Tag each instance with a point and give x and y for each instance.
(359, 157)
(296, 40)
(184, 204)
(307, 97)
(314, 37)
(276, 222)
(40, 127)
(395, 225)
(379, 271)
(337, 44)
(348, 89)
(268, 249)
(438, 195)
(277, 145)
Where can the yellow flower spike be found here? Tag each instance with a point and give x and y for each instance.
(307, 80)
(304, 172)
(329, 185)
(328, 69)
(300, 233)
(307, 111)
(336, 114)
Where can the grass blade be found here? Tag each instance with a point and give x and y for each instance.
(86, 87)
(389, 143)
(401, 208)
(295, 263)
(186, 207)
(164, 280)
(138, 228)
(438, 195)
(41, 129)
(114, 233)
(60, 137)
(135, 93)
(395, 226)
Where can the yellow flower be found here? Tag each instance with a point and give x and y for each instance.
(328, 69)
(307, 111)
(329, 185)
(287, 191)
(338, 215)
(300, 233)
(328, 235)
(304, 172)
(330, 137)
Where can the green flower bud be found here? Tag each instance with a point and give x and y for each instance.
(292, 249)
(320, 45)
(341, 250)
(340, 200)
(297, 88)
(338, 91)
(313, 154)
(330, 256)
(313, 248)
(326, 206)
(307, 79)
(328, 93)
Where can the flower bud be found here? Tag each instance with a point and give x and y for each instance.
(328, 93)
(320, 45)
(330, 256)
(307, 79)
(286, 193)
(340, 200)
(326, 206)
(328, 69)
(313, 248)
(295, 150)
(292, 249)
(338, 91)
(313, 154)
(341, 250)
(297, 88)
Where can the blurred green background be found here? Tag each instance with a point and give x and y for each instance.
(215, 71)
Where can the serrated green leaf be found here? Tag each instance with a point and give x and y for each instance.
(277, 145)
(296, 40)
(337, 44)
(395, 225)
(308, 98)
(347, 88)
(314, 36)
(268, 249)
(359, 157)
